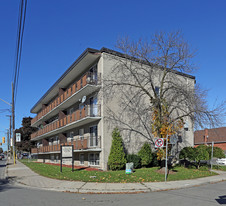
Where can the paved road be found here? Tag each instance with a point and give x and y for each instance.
(210, 194)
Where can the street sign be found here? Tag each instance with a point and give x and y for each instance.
(18, 137)
(67, 155)
(159, 142)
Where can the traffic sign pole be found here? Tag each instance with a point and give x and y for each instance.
(166, 158)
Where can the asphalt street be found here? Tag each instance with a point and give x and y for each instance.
(210, 194)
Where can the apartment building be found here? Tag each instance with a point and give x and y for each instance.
(73, 111)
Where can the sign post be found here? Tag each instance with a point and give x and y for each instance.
(166, 157)
(212, 155)
(66, 152)
(160, 143)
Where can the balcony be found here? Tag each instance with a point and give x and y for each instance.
(87, 114)
(87, 84)
(88, 144)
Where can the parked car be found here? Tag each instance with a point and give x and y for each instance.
(221, 161)
(2, 156)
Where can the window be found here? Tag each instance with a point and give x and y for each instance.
(71, 110)
(93, 106)
(93, 74)
(157, 91)
(81, 159)
(94, 159)
(51, 141)
(57, 140)
(93, 139)
(70, 136)
(81, 134)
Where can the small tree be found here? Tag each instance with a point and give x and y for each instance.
(145, 155)
(116, 159)
(187, 153)
(201, 153)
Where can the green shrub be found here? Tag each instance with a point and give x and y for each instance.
(187, 153)
(135, 159)
(201, 153)
(155, 162)
(116, 159)
(217, 152)
(145, 154)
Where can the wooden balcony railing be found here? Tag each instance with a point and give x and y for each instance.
(78, 145)
(87, 111)
(88, 78)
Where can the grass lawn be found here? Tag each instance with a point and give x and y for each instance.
(140, 175)
(222, 168)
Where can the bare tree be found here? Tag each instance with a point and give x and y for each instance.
(153, 78)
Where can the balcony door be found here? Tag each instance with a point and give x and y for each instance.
(93, 74)
(93, 141)
(93, 106)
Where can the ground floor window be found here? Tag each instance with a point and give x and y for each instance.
(94, 159)
(81, 159)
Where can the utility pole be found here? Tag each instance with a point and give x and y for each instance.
(10, 133)
(9, 136)
(7, 142)
(13, 125)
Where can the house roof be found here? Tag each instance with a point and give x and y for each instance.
(88, 56)
(215, 135)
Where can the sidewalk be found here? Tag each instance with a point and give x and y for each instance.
(23, 176)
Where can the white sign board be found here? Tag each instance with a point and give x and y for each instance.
(159, 142)
(18, 137)
(67, 151)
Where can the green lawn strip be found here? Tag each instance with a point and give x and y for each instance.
(140, 175)
(222, 168)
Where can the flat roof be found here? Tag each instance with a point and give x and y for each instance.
(82, 58)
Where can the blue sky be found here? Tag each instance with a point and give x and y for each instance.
(57, 32)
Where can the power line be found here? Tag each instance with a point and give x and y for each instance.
(20, 33)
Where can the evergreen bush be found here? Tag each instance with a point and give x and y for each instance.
(145, 154)
(116, 159)
(217, 152)
(135, 159)
(155, 162)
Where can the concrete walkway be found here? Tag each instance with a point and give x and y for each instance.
(21, 175)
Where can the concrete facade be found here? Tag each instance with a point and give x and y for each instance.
(75, 111)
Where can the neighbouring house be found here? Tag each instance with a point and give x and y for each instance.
(207, 136)
(74, 110)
